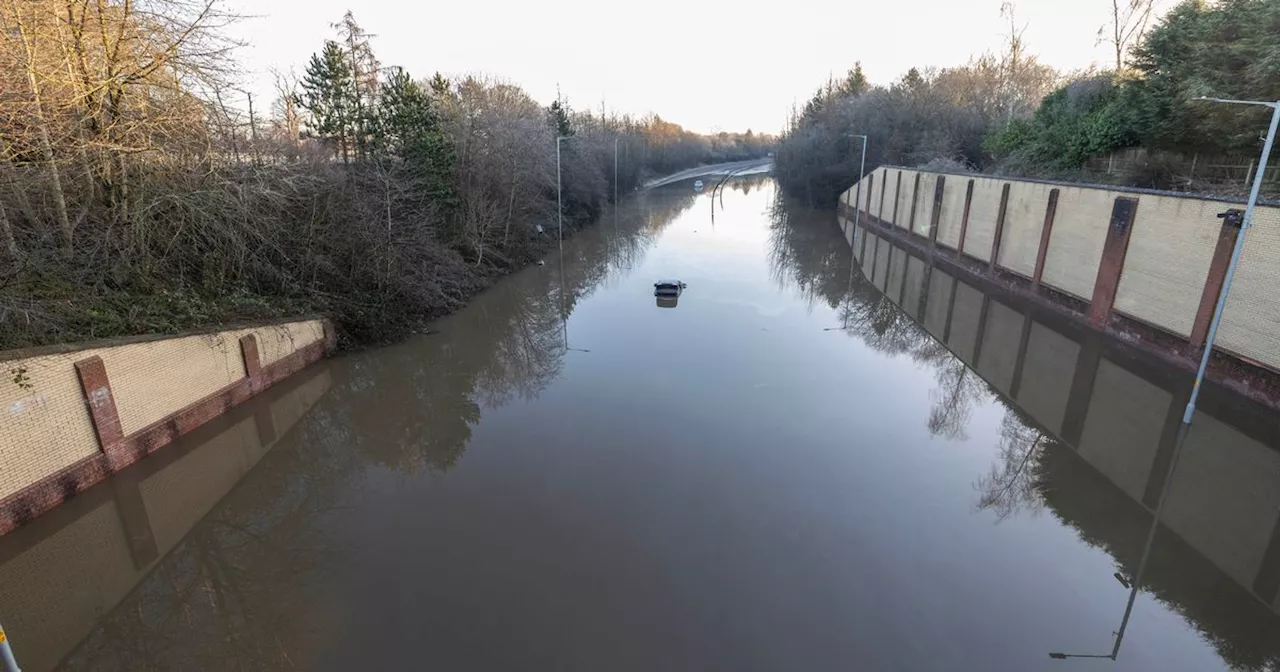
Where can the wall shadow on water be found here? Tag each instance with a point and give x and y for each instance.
(1088, 435)
(216, 573)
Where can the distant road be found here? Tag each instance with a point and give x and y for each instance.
(753, 165)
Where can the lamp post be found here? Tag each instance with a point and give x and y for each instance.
(7, 661)
(1239, 247)
(559, 198)
(862, 167)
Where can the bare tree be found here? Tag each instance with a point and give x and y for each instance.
(1128, 22)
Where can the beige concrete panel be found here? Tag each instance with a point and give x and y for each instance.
(882, 264)
(905, 197)
(1075, 246)
(984, 209)
(1123, 427)
(952, 217)
(278, 341)
(44, 422)
(965, 322)
(1224, 497)
(1168, 259)
(152, 380)
(49, 606)
(938, 302)
(1251, 320)
(1001, 336)
(1023, 224)
(914, 285)
(924, 204)
(1047, 371)
(897, 273)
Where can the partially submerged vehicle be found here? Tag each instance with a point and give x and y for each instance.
(668, 288)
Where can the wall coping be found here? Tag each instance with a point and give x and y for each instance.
(116, 341)
(1086, 185)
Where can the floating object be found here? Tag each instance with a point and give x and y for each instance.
(668, 288)
(537, 227)
(697, 185)
(542, 263)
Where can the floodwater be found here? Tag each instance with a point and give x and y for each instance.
(815, 460)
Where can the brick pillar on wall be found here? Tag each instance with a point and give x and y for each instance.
(995, 241)
(1050, 211)
(252, 362)
(964, 219)
(915, 197)
(871, 184)
(1213, 283)
(1112, 264)
(101, 401)
(937, 210)
(897, 196)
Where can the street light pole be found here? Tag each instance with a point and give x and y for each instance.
(615, 173)
(1239, 247)
(857, 212)
(7, 661)
(559, 198)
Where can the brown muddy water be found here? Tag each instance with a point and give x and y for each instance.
(814, 460)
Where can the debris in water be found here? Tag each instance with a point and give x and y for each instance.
(542, 263)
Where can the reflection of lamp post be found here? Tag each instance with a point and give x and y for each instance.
(1134, 585)
(1235, 253)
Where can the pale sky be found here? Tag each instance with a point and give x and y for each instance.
(706, 66)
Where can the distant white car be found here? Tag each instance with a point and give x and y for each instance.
(697, 186)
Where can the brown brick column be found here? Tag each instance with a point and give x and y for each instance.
(1112, 264)
(937, 210)
(964, 219)
(1050, 211)
(252, 363)
(995, 242)
(101, 402)
(871, 185)
(915, 197)
(897, 196)
(1213, 283)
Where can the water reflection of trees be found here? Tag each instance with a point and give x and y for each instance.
(806, 256)
(1032, 470)
(228, 596)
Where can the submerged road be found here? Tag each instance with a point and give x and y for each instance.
(813, 461)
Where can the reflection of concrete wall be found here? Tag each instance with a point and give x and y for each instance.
(952, 217)
(1001, 336)
(869, 253)
(882, 263)
(938, 303)
(1075, 246)
(62, 575)
(1223, 498)
(1249, 323)
(914, 285)
(1168, 261)
(924, 204)
(1047, 369)
(1122, 429)
(1023, 223)
(897, 272)
(966, 319)
(45, 425)
(905, 198)
(984, 209)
